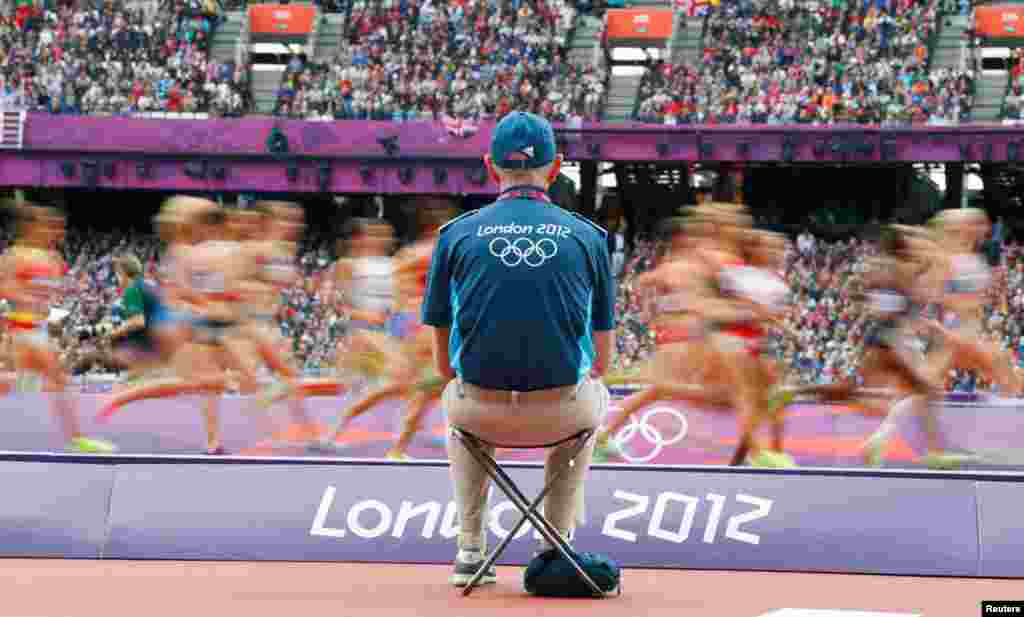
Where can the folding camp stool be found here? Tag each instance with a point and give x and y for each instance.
(476, 447)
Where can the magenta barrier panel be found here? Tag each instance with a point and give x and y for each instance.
(54, 509)
(643, 518)
(1002, 530)
(925, 523)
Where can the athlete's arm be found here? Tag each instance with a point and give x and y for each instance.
(370, 317)
(182, 284)
(285, 275)
(717, 308)
(13, 289)
(649, 281)
(412, 263)
(133, 324)
(7, 287)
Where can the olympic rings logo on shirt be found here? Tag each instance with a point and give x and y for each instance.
(650, 434)
(523, 250)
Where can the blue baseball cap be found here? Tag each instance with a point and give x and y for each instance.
(522, 141)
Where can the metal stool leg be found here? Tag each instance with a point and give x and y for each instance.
(489, 465)
(528, 509)
(540, 523)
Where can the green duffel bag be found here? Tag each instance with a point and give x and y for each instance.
(552, 575)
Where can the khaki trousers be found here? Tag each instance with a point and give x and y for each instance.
(522, 423)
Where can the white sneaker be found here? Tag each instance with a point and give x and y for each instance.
(467, 562)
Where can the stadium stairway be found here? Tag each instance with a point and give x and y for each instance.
(585, 45)
(265, 84)
(329, 38)
(685, 47)
(225, 40)
(990, 90)
(622, 93)
(266, 81)
(990, 87)
(949, 48)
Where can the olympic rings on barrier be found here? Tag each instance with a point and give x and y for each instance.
(523, 250)
(650, 433)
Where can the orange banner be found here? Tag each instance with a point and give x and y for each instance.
(285, 19)
(999, 21)
(645, 24)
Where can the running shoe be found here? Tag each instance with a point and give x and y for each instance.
(780, 398)
(394, 455)
(606, 450)
(466, 565)
(948, 461)
(431, 382)
(89, 445)
(770, 459)
(218, 451)
(873, 449)
(134, 380)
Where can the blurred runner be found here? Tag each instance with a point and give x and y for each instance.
(738, 301)
(208, 285)
(364, 278)
(32, 273)
(679, 368)
(409, 373)
(269, 233)
(965, 281)
(897, 383)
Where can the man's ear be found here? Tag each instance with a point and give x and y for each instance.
(556, 166)
(491, 170)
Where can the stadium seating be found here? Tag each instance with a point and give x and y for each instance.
(768, 62)
(448, 60)
(813, 63)
(77, 59)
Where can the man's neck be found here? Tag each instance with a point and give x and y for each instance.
(523, 186)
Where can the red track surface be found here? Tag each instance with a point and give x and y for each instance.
(59, 588)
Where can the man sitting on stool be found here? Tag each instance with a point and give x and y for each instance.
(521, 298)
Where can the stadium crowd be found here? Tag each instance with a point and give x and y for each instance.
(782, 62)
(763, 62)
(448, 59)
(107, 57)
(1013, 109)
